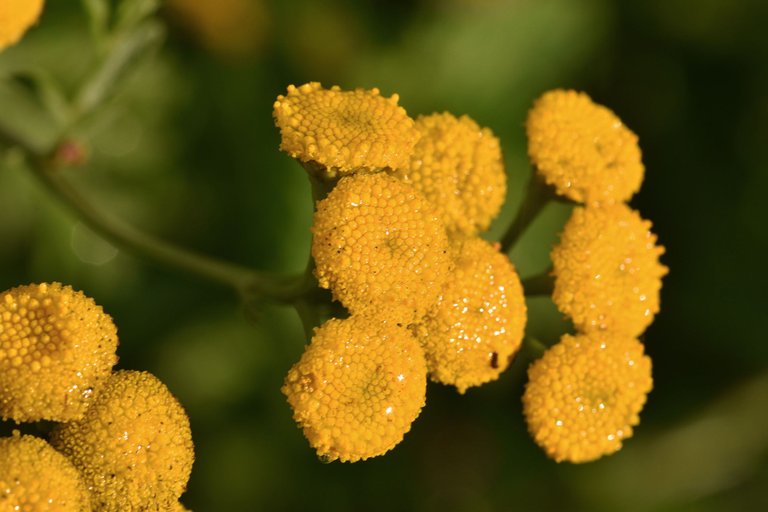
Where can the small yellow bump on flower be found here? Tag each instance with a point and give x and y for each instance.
(56, 347)
(607, 270)
(378, 244)
(16, 16)
(344, 131)
(583, 149)
(133, 447)
(359, 385)
(477, 325)
(585, 394)
(36, 478)
(457, 165)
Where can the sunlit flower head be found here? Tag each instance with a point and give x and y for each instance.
(585, 394)
(582, 148)
(16, 16)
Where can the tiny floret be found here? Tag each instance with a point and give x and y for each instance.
(56, 347)
(607, 270)
(344, 132)
(476, 327)
(16, 16)
(36, 478)
(583, 149)
(457, 165)
(585, 394)
(133, 447)
(378, 244)
(359, 385)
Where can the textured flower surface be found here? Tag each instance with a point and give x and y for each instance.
(583, 149)
(36, 478)
(378, 244)
(585, 394)
(16, 16)
(344, 131)
(133, 447)
(457, 165)
(607, 270)
(56, 347)
(477, 324)
(359, 385)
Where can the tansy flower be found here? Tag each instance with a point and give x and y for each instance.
(583, 149)
(16, 16)
(344, 132)
(477, 325)
(35, 478)
(457, 166)
(584, 395)
(133, 447)
(607, 270)
(378, 244)
(359, 385)
(56, 347)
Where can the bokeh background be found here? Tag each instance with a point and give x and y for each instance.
(187, 150)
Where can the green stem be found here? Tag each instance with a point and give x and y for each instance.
(541, 284)
(534, 348)
(537, 196)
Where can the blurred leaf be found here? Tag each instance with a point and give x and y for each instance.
(44, 87)
(98, 15)
(132, 12)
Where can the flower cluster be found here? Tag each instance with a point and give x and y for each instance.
(585, 394)
(397, 242)
(121, 441)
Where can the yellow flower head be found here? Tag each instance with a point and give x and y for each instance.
(36, 478)
(457, 166)
(583, 149)
(133, 447)
(56, 347)
(585, 394)
(359, 385)
(344, 131)
(16, 16)
(477, 324)
(378, 244)
(607, 270)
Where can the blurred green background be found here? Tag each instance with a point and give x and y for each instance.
(187, 150)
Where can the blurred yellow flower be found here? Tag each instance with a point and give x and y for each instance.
(583, 149)
(359, 385)
(607, 270)
(585, 394)
(16, 16)
(56, 347)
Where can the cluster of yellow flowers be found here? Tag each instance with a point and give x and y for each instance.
(121, 441)
(397, 242)
(584, 395)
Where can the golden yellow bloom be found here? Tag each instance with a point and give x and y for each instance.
(133, 447)
(344, 131)
(359, 385)
(584, 395)
(583, 149)
(457, 166)
(16, 16)
(607, 270)
(378, 244)
(477, 325)
(36, 478)
(56, 347)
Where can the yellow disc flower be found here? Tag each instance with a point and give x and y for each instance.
(607, 270)
(378, 244)
(16, 16)
(359, 385)
(344, 131)
(56, 347)
(585, 394)
(457, 165)
(477, 325)
(36, 478)
(133, 447)
(583, 149)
